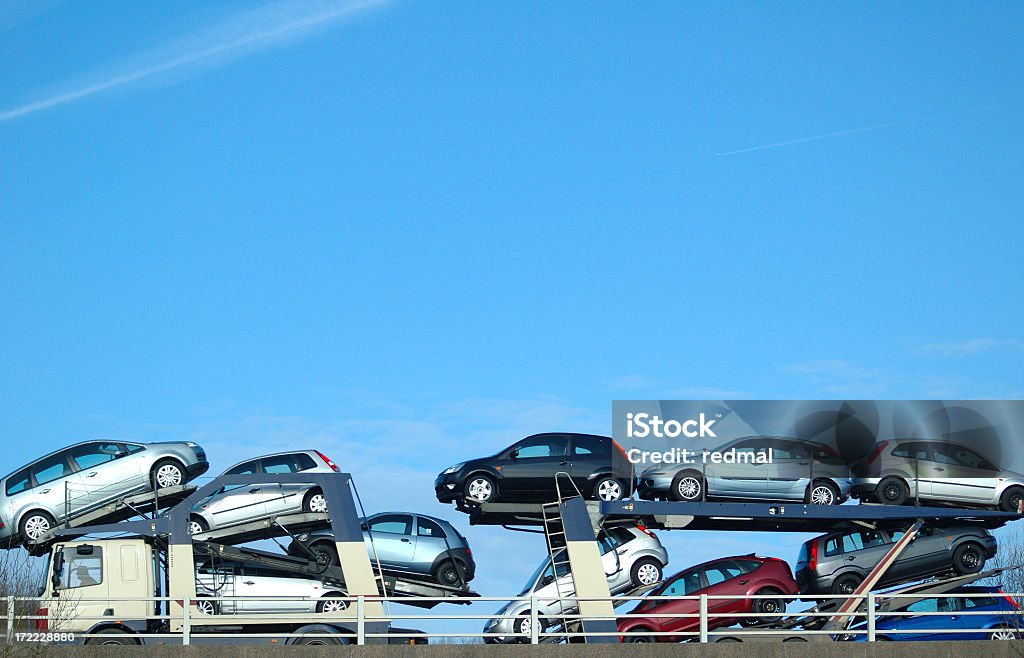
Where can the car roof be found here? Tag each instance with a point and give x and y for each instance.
(73, 445)
(746, 556)
(273, 454)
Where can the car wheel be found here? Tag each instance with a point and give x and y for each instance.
(197, 525)
(892, 491)
(1011, 499)
(448, 573)
(34, 525)
(325, 554)
(523, 627)
(327, 605)
(688, 486)
(481, 488)
(646, 572)
(968, 558)
(795, 639)
(638, 635)
(1003, 633)
(112, 636)
(318, 640)
(167, 473)
(846, 584)
(728, 639)
(823, 493)
(769, 606)
(608, 488)
(206, 606)
(315, 501)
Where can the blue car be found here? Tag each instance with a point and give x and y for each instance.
(987, 615)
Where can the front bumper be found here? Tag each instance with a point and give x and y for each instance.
(654, 485)
(446, 488)
(197, 469)
(864, 487)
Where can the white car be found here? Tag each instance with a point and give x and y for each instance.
(262, 587)
(633, 557)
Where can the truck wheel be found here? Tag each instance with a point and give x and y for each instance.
(314, 501)
(167, 473)
(1010, 500)
(687, 486)
(112, 636)
(34, 525)
(304, 640)
(892, 491)
(481, 489)
(968, 558)
(447, 573)
(846, 584)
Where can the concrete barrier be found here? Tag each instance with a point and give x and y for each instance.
(763, 650)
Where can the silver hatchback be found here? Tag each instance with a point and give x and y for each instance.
(70, 482)
(251, 502)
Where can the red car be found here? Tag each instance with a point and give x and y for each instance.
(736, 577)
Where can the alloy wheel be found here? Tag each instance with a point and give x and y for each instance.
(822, 495)
(609, 490)
(168, 475)
(1003, 634)
(480, 489)
(333, 606)
(689, 488)
(36, 527)
(317, 503)
(647, 574)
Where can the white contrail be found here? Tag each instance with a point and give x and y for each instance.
(851, 131)
(214, 49)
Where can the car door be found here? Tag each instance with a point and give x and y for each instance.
(391, 536)
(237, 503)
(258, 584)
(722, 580)
(529, 472)
(57, 487)
(588, 455)
(285, 498)
(740, 480)
(430, 543)
(612, 544)
(216, 579)
(688, 583)
(944, 618)
(790, 470)
(960, 473)
(106, 471)
(913, 459)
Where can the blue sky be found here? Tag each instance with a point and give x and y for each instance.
(412, 232)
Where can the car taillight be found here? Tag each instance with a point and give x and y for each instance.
(42, 620)
(469, 552)
(647, 532)
(879, 447)
(1010, 599)
(327, 460)
(812, 560)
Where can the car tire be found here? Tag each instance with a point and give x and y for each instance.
(449, 574)
(638, 635)
(167, 473)
(892, 491)
(968, 558)
(325, 554)
(480, 489)
(314, 502)
(197, 525)
(521, 628)
(318, 640)
(1011, 499)
(728, 639)
(823, 492)
(206, 606)
(112, 636)
(1004, 633)
(646, 572)
(795, 639)
(688, 486)
(324, 605)
(766, 606)
(34, 525)
(846, 584)
(608, 489)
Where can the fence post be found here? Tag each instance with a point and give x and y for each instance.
(535, 621)
(871, 616)
(186, 622)
(361, 619)
(10, 620)
(704, 618)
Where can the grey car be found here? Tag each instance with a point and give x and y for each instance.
(838, 562)
(72, 481)
(236, 504)
(413, 544)
(633, 557)
(799, 470)
(936, 471)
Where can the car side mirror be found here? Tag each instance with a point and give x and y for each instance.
(514, 454)
(546, 580)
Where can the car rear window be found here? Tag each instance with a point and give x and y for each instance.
(427, 528)
(750, 565)
(286, 463)
(18, 482)
(911, 451)
(585, 445)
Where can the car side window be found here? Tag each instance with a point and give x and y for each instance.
(924, 605)
(852, 543)
(686, 583)
(833, 546)
(543, 446)
(870, 538)
(978, 602)
(246, 468)
(396, 524)
(719, 573)
(427, 528)
(18, 482)
(949, 453)
(748, 565)
(91, 455)
(280, 464)
(133, 448)
(752, 445)
(913, 450)
(785, 449)
(305, 461)
(585, 446)
(50, 469)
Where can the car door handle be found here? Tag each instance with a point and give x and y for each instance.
(939, 468)
(91, 475)
(406, 540)
(255, 490)
(851, 558)
(804, 463)
(621, 551)
(45, 491)
(562, 463)
(744, 581)
(248, 582)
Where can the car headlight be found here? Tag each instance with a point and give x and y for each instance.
(191, 445)
(452, 469)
